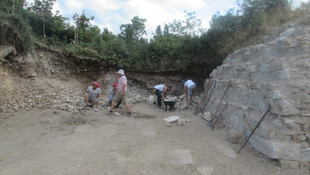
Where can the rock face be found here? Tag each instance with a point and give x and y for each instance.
(276, 73)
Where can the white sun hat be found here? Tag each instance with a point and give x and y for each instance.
(121, 71)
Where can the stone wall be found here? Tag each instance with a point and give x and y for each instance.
(276, 73)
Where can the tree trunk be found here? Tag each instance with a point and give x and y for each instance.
(76, 35)
(43, 27)
(13, 7)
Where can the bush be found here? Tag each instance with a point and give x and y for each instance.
(18, 32)
(84, 51)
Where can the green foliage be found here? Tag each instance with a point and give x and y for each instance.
(13, 25)
(133, 31)
(188, 26)
(43, 8)
(11, 6)
(84, 28)
(84, 51)
(303, 10)
(181, 44)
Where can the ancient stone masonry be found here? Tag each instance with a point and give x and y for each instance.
(276, 73)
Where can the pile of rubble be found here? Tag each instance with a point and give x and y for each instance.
(40, 94)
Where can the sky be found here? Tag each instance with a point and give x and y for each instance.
(112, 14)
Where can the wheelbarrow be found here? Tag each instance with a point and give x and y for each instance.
(170, 103)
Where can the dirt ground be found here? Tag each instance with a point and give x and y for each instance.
(58, 142)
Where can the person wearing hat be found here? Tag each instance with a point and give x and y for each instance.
(189, 86)
(92, 95)
(112, 94)
(121, 94)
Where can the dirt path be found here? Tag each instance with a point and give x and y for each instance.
(58, 142)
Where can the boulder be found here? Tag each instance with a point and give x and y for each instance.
(283, 107)
(5, 50)
(235, 136)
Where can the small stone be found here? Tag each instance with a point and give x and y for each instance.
(288, 164)
(301, 137)
(207, 116)
(304, 145)
(181, 122)
(167, 124)
(205, 170)
(283, 107)
(306, 102)
(305, 126)
(117, 114)
(284, 75)
(277, 123)
(276, 95)
(235, 136)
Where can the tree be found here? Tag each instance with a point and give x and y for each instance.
(59, 29)
(190, 26)
(43, 8)
(82, 24)
(166, 29)
(133, 31)
(12, 6)
(158, 31)
(251, 7)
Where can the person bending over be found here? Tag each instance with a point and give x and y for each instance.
(189, 87)
(161, 91)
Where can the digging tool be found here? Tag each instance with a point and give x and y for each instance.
(217, 119)
(198, 108)
(222, 97)
(207, 91)
(257, 125)
(206, 104)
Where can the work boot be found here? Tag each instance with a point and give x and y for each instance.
(128, 114)
(110, 113)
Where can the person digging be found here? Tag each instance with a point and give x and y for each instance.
(189, 87)
(161, 91)
(92, 95)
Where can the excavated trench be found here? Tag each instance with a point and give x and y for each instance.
(48, 79)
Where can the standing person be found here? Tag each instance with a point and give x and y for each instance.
(121, 94)
(189, 86)
(92, 95)
(112, 94)
(161, 90)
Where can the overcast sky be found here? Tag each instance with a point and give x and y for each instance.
(113, 13)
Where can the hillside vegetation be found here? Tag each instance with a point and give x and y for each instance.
(179, 45)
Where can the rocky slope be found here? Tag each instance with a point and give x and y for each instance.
(276, 73)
